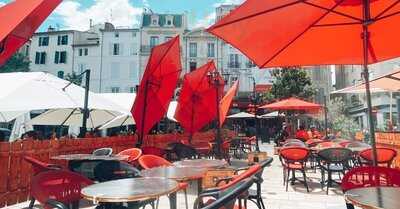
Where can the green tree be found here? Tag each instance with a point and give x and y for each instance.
(338, 119)
(290, 82)
(17, 63)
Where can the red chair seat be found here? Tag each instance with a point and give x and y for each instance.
(295, 166)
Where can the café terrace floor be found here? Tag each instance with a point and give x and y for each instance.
(274, 194)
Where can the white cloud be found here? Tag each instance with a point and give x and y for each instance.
(224, 2)
(2, 3)
(118, 12)
(206, 21)
(209, 19)
(146, 3)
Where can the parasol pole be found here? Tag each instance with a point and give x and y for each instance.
(141, 136)
(219, 142)
(365, 35)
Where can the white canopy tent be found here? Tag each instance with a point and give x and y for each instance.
(40, 91)
(127, 119)
(241, 115)
(270, 115)
(8, 116)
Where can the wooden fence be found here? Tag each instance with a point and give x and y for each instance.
(15, 173)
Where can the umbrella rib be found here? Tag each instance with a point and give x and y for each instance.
(393, 78)
(302, 33)
(387, 9)
(386, 16)
(333, 11)
(337, 24)
(66, 119)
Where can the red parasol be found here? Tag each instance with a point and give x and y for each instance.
(315, 32)
(226, 102)
(20, 19)
(195, 105)
(292, 104)
(157, 86)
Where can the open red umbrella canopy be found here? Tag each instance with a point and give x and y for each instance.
(19, 20)
(226, 102)
(292, 104)
(312, 32)
(157, 86)
(197, 103)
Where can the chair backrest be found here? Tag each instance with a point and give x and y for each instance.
(113, 170)
(294, 144)
(294, 154)
(60, 185)
(103, 152)
(152, 161)
(384, 155)
(37, 165)
(183, 151)
(327, 144)
(293, 140)
(253, 170)
(153, 151)
(227, 198)
(133, 153)
(370, 176)
(313, 142)
(335, 155)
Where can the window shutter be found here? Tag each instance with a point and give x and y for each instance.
(121, 49)
(57, 57)
(37, 58)
(111, 49)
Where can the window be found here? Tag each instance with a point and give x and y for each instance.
(116, 35)
(40, 58)
(169, 22)
(81, 67)
(210, 50)
(115, 70)
(115, 49)
(80, 52)
(192, 66)
(133, 72)
(154, 20)
(114, 89)
(62, 40)
(193, 50)
(234, 61)
(168, 38)
(60, 57)
(133, 34)
(60, 74)
(132, 90)
(153, 41)
(44, 41)
(132, 49)
(86, 51)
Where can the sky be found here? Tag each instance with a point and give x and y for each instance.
(76, 14)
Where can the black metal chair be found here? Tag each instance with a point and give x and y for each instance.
(333, 160)
(255, 194)
(226, 199)
(183, 151)
(103, 151)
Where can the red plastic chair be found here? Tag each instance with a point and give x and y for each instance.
(153, 161)
(253, 170)
(385, 156)
(60, 185)
(313, 142)
(153, 151)
(133, 153)
(369, 177)
(39, 167)
(294, 159)
(327, 144)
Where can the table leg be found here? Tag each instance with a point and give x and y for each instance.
(172, 201)
(199, 186)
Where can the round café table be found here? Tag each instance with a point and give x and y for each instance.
(131, 190)
(374, 197)
(201, 163)
(181, 174)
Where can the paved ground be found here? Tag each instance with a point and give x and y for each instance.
(274, 193)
